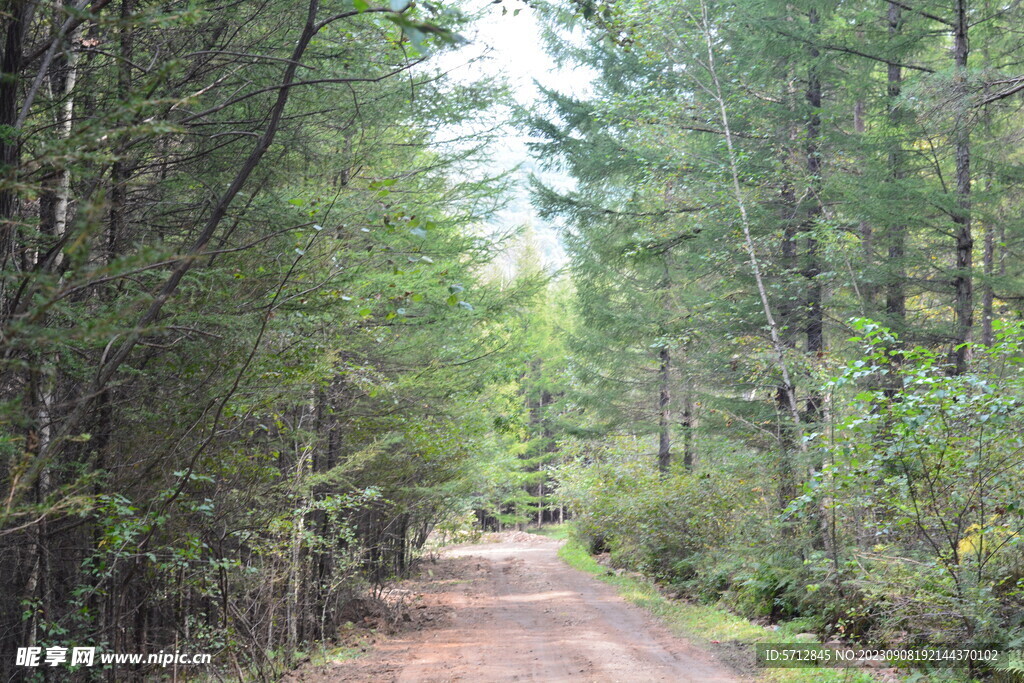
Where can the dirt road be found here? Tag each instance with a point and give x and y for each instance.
(514, 611)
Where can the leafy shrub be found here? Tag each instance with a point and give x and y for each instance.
(656, 524)
(921, 480)
(909, 526)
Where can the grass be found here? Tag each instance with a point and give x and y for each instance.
(556, 531)
(355, 646)
(703, 624)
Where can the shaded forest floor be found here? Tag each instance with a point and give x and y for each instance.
(513, 610)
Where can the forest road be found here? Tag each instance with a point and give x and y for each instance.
(514, 611)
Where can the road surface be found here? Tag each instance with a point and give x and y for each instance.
(514, 611)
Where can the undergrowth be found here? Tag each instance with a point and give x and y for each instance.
(558, 532)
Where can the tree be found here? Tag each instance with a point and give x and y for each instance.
(824, 153)
(242, 317)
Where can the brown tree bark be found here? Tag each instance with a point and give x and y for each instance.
(987, 290)
(664, 398)
(895, 293)
(688, 425)
(963, 306)
(18, 17)
(814, 324)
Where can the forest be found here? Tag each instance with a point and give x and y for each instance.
(262, 333)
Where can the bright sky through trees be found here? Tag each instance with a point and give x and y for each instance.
(509, 46)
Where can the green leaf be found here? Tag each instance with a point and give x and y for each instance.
(361, 5)
(416, 37)
(365, 312)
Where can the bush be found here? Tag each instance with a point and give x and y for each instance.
(908, 529)
(653, 523)
(921, 481)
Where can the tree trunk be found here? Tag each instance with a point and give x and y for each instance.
(17, 16)
(814, 325)
(65, 120)
(784, 470)
(787, 388)
(963, 306)
(989, 254)
(119, 171)
(687, 423)
(787, 313)
(664, 397)
(895, 294)
(987, 292)
(540, 503)
(869, 289)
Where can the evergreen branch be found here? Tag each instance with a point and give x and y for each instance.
(570, 201)
(114, 356)
(650, 214)
(350, 13)
(288, 86)
(922, 13)
(1015, 85)
(665, 246)
(1000, 13)
(713, 131)
(853, 51)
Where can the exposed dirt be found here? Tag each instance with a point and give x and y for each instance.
(514, 611)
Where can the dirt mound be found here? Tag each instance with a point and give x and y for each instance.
(514, 537)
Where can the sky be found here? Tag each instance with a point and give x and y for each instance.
(510, 46)
(514, 46)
